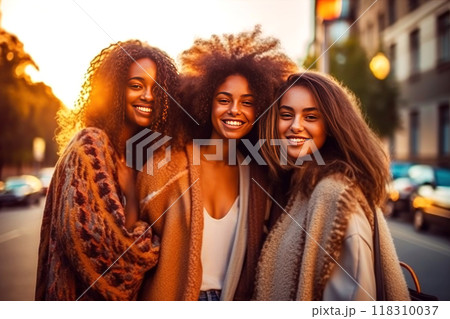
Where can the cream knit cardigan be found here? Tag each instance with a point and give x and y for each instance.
(296, 264)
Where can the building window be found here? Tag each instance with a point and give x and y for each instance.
(413, 4)
(393, 58)
(414, 49)
(392, 14)
(381, 22)
(414, 133)
(444, 129)
(392, 146)
(370, 39)
(444, 37)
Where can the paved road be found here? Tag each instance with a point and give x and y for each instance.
(428, 253)
(19, 242)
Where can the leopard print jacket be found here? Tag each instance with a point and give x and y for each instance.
(85, 252)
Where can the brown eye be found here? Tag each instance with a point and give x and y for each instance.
(311, 117)
(135, 86)
(286, 115)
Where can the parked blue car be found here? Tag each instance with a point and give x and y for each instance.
(24, 189)
(406, 178)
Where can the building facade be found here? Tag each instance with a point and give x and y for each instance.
(415, 34)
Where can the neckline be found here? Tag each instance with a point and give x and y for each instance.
(236, 201)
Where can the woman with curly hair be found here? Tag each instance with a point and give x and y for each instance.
(322, 247)
(93, 247)
(208, 212)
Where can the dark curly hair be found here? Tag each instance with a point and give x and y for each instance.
(208, 63)
(102, 97)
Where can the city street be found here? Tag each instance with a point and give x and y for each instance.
(428, 253)
(19, 242)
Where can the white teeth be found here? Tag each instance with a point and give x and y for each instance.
(297, 140)
(233, 123)
(144, 109)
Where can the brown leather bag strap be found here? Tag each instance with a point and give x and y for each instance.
(413, 275)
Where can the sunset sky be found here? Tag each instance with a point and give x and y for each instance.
(63, 36)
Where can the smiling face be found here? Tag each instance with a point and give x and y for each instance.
(138, 94)
(300, 123)
(233, 112)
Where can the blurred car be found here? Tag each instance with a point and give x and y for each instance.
(406, 178)
(431, 202)
(45, 175)
(24, 189)
(400, 169)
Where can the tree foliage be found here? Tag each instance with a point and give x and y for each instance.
(27, 109)
(350, 65)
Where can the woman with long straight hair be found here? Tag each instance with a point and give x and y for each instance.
(321, 247)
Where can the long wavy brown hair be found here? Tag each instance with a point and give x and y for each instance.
(351, 147)
(209, 62)
(101, 102)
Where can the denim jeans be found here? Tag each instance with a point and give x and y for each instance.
(209, 295)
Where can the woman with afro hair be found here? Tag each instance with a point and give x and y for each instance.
(205, 204)
(93, 247)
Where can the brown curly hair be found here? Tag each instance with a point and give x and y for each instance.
(209, 62)
(102, 97)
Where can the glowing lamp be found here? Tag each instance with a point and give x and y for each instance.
(38, 149)
(380, 66)
(329, 9)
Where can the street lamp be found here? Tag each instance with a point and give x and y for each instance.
(380, 66)
(38, 151)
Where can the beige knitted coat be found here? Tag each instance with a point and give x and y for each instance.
(293, 265)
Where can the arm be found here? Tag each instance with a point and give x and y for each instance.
(93, 231)
(357, 282)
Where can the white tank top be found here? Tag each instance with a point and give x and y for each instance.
(218, 238)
